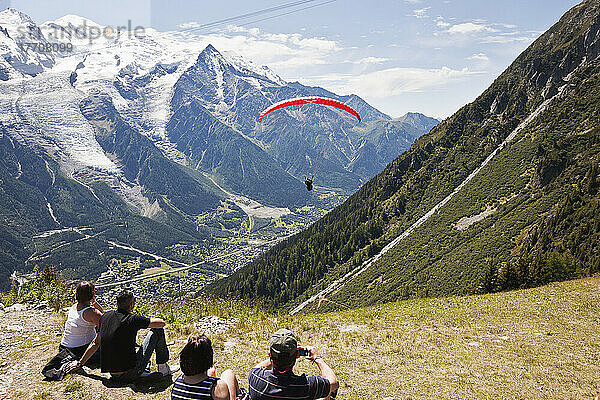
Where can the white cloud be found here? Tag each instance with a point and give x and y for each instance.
(241, 29)
(392, 81)
(372, 60)
(366, 61)
(439, 21)
(512, 37)
(484, 32)
(413, 1)
(296, 40)
(285, 53)
(481, 57)
(421, 13)
(188, 25)
(469, 28)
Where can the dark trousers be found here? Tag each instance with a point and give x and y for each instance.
(94, 360)
(155, 341)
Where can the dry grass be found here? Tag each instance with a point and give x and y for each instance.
(541, 343)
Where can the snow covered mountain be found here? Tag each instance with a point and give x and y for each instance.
(18, 58)
(166, 128)
(142, 75)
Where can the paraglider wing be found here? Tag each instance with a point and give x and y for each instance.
(310, 100)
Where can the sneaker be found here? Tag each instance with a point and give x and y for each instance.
(165, 369)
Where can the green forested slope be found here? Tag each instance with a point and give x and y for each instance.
(526, 183)
(546, 227)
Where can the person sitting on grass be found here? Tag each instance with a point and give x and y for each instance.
(199, 380)
(273, 378)
(117, 340)
(82, 320)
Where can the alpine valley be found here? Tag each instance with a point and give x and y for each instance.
(502, 195)
(148, 149)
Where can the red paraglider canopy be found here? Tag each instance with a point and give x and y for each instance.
(309, 100)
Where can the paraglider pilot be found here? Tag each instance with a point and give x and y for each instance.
(308, 182)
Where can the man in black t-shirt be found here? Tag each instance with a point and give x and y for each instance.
(273, 378)
(118, 332)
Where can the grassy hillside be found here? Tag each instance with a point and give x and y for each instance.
(554, 158)
(537, 343)
(546, 226)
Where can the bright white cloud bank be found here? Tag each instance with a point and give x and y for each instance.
(392, 81)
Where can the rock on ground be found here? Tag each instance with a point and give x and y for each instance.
(214, 325)
(15, 308)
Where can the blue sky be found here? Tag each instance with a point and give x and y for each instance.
(399, 55)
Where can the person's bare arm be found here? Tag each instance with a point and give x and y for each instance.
(92, 315)
(156, 323)
(97, 306)
(221, 391)
(325, 369)
(267, 364)
(227, 387)
(88, 353)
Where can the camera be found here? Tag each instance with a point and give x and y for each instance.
(302, 352)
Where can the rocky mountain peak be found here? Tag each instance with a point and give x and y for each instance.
(210, 49)
(418, 120)
(236, 64)
(12, 16)
(17, 24)
(212, 55)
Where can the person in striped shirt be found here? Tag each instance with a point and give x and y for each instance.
(199, 380)
(274, 378)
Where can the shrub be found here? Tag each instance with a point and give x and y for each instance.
(45, 286)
